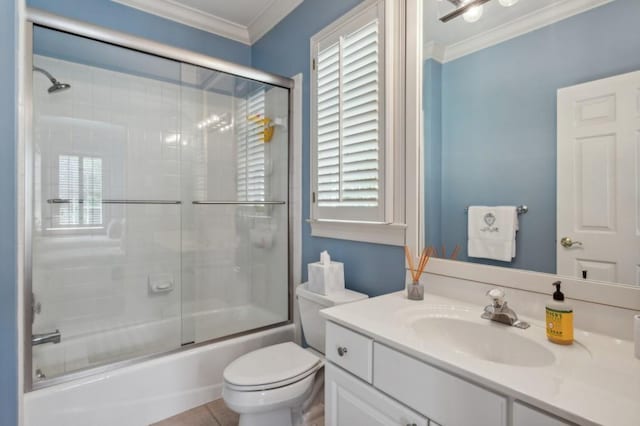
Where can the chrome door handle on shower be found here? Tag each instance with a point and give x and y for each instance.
(567, 242)
(42, 338)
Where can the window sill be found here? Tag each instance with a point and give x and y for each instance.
(370, 232)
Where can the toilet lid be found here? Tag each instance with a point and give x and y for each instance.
(269, 365)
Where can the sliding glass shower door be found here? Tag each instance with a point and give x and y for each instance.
(159, 213)
(235, 212)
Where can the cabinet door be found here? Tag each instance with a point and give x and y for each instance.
(524, 415)
(435, 393)
(349, 401)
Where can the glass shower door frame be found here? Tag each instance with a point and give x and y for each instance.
(81, 29)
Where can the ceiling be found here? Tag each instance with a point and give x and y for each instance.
(448, 41)
(241, 20)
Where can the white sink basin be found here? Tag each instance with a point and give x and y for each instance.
(487, 341)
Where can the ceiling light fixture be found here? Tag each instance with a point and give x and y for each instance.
(471, 10)
(473, 14)
(473, 7)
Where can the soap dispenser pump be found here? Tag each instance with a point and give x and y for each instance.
(559, 315)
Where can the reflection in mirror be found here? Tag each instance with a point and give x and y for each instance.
(536, 104)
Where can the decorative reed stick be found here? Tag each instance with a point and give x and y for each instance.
(455, 253)
(424, 259)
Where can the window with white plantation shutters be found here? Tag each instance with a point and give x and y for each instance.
(348, 121)
(250, 148)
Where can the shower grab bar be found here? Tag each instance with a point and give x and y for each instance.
(245, 203)
(81, 201)
(42, 338)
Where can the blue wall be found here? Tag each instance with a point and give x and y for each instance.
(432, 122)
(370, 268)
(8, 295)
(115, 16)
(499, 121)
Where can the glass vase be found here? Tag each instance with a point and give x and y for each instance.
(415, 291)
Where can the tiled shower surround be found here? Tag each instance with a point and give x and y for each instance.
(125, 280)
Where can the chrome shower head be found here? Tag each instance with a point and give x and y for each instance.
(56, 85)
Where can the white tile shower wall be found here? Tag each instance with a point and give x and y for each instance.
(89, 281)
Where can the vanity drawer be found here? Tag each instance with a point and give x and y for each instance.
(349, 350)
(523, 415)
(437, 395)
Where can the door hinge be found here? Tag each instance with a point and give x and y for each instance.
(313, 196)
(313, 64)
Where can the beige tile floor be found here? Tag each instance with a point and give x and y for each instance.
(214, 413)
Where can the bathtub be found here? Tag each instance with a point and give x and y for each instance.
(148, 391)
(81, 351)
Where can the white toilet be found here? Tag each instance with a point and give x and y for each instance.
(269, 386)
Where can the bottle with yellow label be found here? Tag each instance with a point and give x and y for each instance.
(559, 319)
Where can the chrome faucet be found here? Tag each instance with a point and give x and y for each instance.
(500, 312)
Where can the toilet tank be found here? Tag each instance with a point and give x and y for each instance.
(310, 305)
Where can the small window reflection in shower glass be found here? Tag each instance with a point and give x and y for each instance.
(79, 178)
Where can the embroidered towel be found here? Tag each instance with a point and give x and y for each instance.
(492, 232)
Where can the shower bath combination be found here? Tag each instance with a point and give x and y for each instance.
(56, 86)
(150, 232)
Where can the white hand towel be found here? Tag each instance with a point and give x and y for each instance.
(492, 232)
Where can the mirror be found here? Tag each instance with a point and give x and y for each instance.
(533, 104)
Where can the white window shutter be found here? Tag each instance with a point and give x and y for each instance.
(69, 189)
(79, 180)
(329, 150)
(92, 190)
(250, 148)
(360, 118)
(348, 122)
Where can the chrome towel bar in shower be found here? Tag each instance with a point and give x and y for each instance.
(245, 203)
(81, 201)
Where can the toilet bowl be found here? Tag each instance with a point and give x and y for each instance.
(272, 386)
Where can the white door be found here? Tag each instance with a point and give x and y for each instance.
(349, 402)
(598, 180)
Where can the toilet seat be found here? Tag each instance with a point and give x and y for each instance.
(271, 367)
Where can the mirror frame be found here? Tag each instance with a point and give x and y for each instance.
(612, 294)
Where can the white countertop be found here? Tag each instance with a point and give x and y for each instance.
(595, 381)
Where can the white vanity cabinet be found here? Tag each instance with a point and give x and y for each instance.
(369, 383)
(350, 401)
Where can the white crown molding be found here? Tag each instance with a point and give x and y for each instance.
(273, 13)
(192, 17)
(434, 50)
(525, 24)
(270, 17)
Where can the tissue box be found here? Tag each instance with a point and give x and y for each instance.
(326, 279)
